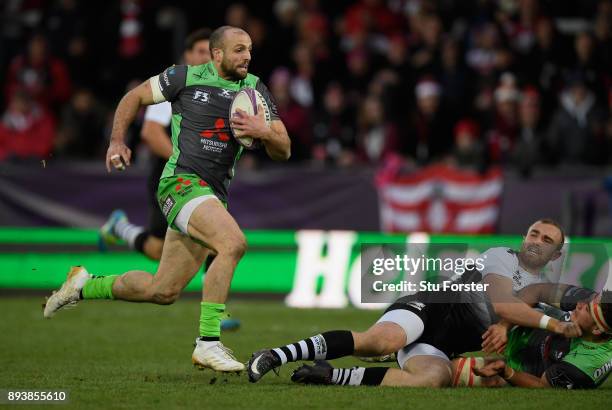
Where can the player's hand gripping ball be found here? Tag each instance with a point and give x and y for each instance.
(248, 101)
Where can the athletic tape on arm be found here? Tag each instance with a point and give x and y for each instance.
(156, 89)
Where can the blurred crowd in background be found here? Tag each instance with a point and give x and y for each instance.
(472, 83)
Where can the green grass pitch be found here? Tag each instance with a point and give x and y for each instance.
(122, 355)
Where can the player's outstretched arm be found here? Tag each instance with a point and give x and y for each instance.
(511, 376)
(118, 153)
(514, 310)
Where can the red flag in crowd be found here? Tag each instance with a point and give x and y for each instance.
(440, 198)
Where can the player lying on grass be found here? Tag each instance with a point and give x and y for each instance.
(533, 358)
(536, 358)
(426, 329)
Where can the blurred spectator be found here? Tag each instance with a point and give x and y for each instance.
(520, 31)
(81, 132)
(377, 138)
(286, 12)
(430, 135)
(371, 16)
(527, 150)
(302, 84)
(130, 29)
(587, 63)
(543, 65)
(603, 42)
(469, 151)
(359, 67)
(39, 74)
(576, 133)
(334, 129)
(487, 56)
(263, 51)
(294, 116)
(426, 52)
(27, 130)
(237, 15)
(455, 78)
(65, 23)
(502, 137)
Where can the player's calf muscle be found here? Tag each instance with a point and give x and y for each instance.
(133, 286)
(378, 340)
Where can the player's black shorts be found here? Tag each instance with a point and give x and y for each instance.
(157, 225)
(453, 323)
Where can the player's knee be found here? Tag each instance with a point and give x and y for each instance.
(154, 252)
(165, 296)
(436, 375)
(236, 246)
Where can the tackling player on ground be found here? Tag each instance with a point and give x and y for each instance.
(536, 358)
(192, 192)
(426, 330)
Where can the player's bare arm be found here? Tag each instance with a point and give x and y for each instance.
(514, 310)
(155, 136)
(511, 376)
(124, 115)
(274, 137)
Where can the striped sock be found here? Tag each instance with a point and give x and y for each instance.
(325, 346)
(359, 376)
(128, 232)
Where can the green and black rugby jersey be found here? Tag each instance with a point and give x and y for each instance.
(566, 363)
(202, 141)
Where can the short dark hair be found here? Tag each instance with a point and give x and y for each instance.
(550, 221)
(194, 37)
(605, 304)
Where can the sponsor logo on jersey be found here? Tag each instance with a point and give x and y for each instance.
(602, 370)
(225, 93)
(165, 77)
(517, 279)
(215, 140)
(201, 97)
(168, 205)
(417, 305)
(183, 187)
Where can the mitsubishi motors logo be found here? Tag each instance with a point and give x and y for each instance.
(218, 144)
(219, 126)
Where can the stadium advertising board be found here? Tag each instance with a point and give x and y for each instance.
(313, 268)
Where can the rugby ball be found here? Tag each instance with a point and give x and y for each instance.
(463, 371)
(247, 100)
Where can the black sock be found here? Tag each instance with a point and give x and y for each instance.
(326, 346)
(209, 338)
(359, 376)
(140, 241)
